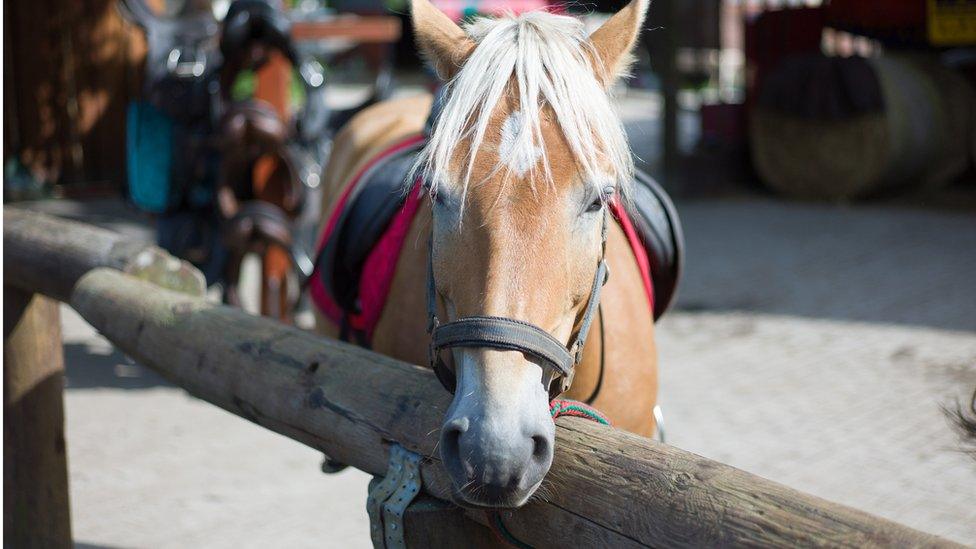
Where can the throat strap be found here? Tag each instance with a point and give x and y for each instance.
(601, 277)
(432, 321)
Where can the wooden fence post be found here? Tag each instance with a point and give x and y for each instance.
(430, 522)
(35, 473)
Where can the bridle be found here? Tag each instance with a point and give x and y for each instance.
(509, 334)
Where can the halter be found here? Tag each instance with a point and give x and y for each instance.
(510, 334)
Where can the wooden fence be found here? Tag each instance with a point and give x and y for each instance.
(607, 488)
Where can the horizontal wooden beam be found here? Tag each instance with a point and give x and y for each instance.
(606, 487)
(47, 254)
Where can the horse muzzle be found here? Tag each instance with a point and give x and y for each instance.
(497, 446)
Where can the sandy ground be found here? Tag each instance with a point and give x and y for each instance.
(151, 466)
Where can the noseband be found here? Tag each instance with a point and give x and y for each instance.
(509, 334)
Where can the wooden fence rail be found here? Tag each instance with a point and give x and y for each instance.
(46, 254)
(606, 487)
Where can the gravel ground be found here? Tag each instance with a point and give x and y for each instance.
(815, 345)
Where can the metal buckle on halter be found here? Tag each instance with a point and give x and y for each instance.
(578, 351)
(432, 357)
(565, 382)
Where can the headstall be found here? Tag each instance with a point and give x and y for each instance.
(509, 334)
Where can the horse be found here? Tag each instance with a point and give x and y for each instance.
(503, 267)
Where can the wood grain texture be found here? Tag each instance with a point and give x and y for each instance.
(606, 487)
(47, 254)
(35, 474)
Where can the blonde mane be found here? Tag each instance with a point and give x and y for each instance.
(545, 60)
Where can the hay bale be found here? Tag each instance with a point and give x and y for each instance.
(818, 159)
(923, 136)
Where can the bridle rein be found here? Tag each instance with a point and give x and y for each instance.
(509, 334)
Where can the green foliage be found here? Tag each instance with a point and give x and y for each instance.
(246, 84)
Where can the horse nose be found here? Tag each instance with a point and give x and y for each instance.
(450, 444)
(493, 465)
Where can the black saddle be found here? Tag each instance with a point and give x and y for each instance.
(656, 220)
(377, 196)
(381, 192)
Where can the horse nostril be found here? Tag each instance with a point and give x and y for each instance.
(451, 438)
(540, 448)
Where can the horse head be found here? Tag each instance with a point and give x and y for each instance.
(521, 163)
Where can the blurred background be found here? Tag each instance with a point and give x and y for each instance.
(821, 155)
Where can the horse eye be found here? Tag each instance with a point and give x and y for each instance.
(595, 205)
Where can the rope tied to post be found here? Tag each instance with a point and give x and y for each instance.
(563, 407)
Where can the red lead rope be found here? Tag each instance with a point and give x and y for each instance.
(557, 407)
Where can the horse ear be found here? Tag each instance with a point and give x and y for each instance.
(614, 39)
(440, 40)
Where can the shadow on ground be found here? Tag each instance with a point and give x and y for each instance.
(88, 367)
(872, 263)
